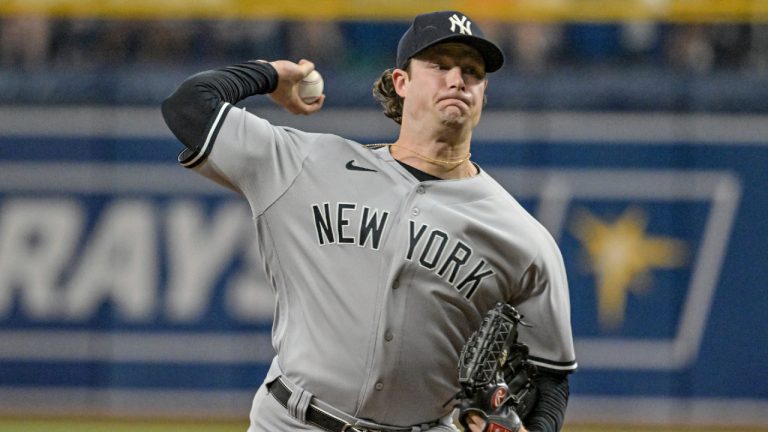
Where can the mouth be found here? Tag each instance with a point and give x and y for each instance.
(454, 99)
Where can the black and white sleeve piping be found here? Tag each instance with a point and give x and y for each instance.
(195, 111)
(566, 366)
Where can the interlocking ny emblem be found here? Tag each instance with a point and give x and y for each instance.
(460, 22)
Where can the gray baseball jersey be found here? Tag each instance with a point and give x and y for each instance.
(380, 278)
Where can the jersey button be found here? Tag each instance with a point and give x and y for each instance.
(396, 284)
(420, 190)
(415, 211)
(388, 336)
(379, 386)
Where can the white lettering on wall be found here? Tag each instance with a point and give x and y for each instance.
(249, 297)
(119, 264)
(148, 262)
(199, 249)
(37, 241)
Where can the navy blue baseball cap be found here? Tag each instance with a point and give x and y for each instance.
(446, 26)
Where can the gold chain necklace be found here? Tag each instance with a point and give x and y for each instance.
(449, 164)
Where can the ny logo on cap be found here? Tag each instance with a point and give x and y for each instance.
(460, 22)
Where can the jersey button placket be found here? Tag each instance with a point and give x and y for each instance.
(386, 342)
(420, 190)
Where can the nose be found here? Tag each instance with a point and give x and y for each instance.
(455, 78)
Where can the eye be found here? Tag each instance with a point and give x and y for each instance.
(473, 71)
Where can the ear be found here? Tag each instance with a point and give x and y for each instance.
(400, 80)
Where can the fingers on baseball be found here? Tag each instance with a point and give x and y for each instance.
(298, 106)
(306, 67)
(310, 108)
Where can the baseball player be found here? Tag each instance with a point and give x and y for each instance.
(383, 258)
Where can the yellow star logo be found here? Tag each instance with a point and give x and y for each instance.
(622, 256)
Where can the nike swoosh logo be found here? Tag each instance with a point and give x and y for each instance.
(352, 167)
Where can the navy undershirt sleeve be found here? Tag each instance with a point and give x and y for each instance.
(191, 109)
(549, 412)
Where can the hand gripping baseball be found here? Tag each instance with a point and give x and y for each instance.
(287, 92)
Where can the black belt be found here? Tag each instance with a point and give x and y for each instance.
(315, 415)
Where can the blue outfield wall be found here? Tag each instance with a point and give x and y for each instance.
(130, 286)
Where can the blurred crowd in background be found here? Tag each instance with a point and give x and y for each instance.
(627, 65)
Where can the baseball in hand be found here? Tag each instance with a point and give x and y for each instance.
(311, 87)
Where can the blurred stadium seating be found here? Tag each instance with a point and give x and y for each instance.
(635, 63)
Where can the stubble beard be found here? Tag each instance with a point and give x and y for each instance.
(453, 117)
